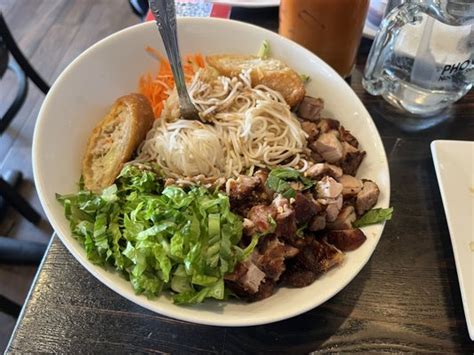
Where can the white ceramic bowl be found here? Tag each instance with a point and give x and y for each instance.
(82, 95)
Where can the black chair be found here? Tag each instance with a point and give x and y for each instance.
(22, 70)
(11, 250)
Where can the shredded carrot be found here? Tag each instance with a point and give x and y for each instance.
(157, 87)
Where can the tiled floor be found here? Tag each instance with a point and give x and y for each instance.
(51, 33)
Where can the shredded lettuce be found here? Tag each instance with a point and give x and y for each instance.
(173, 239)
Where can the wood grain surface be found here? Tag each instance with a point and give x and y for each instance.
(406, 298)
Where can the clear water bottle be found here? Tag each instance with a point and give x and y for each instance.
(422, 59)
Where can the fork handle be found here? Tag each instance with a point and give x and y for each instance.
(164, 12)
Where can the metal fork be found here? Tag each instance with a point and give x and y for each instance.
(164, 12)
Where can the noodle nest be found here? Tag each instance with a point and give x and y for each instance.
(246, 127)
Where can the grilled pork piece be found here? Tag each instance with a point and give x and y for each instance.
(241, 188)
(286, 224)
(329, 194)
(285, 217)
(318, 223)
(351, 185)
(311, 129)
(344, 219)
(262, 175)
(316, 256)
(246, 277)
(352, 158)
(347, 239)
(315, 156)
(305, 207)
(265, 290)
(259, 215)
(248, 227)
(297, 277)
(310, 108)
(329, 147)
(327, 187)
(271, 256)
(263, 194)
(317, 171)
(333, 208)
(367, 198)
(327, 124)
(346, 136)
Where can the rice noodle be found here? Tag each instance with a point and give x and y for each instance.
(248, 127)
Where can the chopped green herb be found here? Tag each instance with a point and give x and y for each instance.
(374, 216)
(279, 181)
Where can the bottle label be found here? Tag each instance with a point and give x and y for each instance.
(449, 70)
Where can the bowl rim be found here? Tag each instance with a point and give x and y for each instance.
(140, 299)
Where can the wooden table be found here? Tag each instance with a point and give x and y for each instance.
(406, 298)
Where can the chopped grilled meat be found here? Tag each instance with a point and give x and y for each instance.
(329, 194)
(344, 219)
(367, 197)
(296, 277)
(333, 208)
(352, 159)
(327, 187)
(346, 240)
(263, 194)
(327, 124)
(317, 171)
(311, 129)
(239, 271)
(264, 291)
(310, 108)
(246, 277)
(271, 256)
(318, 223)
(315, 156)
(329, 146)
(351, 185)
(348, 148)
(317, 256)
(248, 227)
(253, 278)
(242, 188)
(262, 175)
(285, 217)
(346, 136)
(281, 204)
(305, 208)
(286, 224)
(261, 216)
(317, 204)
